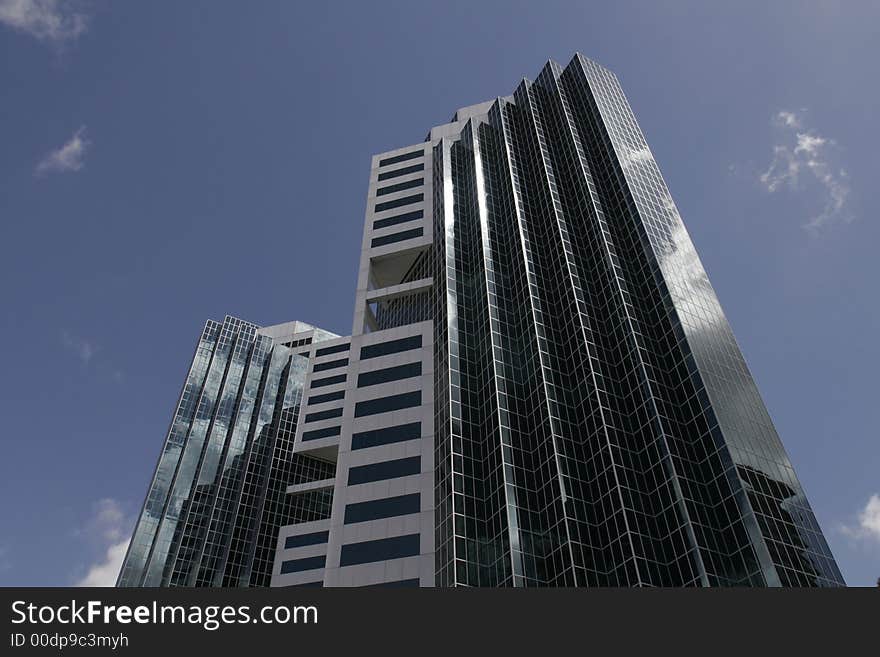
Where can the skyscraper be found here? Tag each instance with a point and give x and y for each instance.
(540, 388)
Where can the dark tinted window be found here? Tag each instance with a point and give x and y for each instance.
(401, 172)
(297, 565)
(330, 365)
(385, 404)
(398, 219)
(401, 158)
(400, 202)
(321, 433)
(396, 237)
(380, 550)
(391, 347)
(386, 435)
(330, 396)
(363, 474)
(335, 349)
(327, 381)
(321, 584)
(399, 187)
(398, 583)
(387, 507)
(389, 374)
(323, 415)
(306, 539)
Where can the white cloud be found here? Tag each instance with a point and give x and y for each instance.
(868, 521)
(801, 152)
(110, 527)
(55, 21)
(70, 157)
(84, 349)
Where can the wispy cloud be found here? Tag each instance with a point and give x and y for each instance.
(70, 157)
(84, 349)
(110, 527)
(802, 161)
(868, 521)
(53, 21)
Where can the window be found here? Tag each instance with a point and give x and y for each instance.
(330, 365)
(400, 202)
(364, 474)
(387, 507)
(323, 415)
(385, 404)
(401, 172)
(326, 432)
(398, 219)
(379, 550)
(298, 565)
(397, 583)
(386, 435)
(330, 396)
(391, 347)
(396, 237)
(306, 539)
(399, 187)
(389, 374)
(401, 158)
(327, 381)
(335, 349)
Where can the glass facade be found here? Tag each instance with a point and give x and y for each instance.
(217, 498)
(596, 422)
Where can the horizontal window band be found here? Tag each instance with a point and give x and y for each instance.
(388, 374)
(328, 381)
(317, 434)
(391, 347)
(323, 415)
(399, 187)
(396, 237)
(364, 474)
(401, 158)
(315, 538)
(400, 202)
(381, 549)
(386, 404)
(330, 365)
(401, 172)
(386, 435)
(335, 349)
(387, 507)
(318, 584)
(299, 565)
(398, 219)
(330, 396)
(400, 583)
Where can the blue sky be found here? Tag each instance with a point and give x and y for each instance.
(162, 163)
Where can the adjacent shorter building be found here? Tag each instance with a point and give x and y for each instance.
(540, 389)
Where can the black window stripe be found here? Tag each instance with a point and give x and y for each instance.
(323, 415)
(335, 349)
(396, 237)
(399, 187)
(403, 157)
(307, 563)
(364, 474)
(401, 172)
(387, 507)
(400, 202)
(330, 365)
(398, 219)
(386, 404)
(391, 347)
(330, 396)
(327, 381)
(397, 583)
(315, 538)
(326, 432)
(381, 549)
(386, 435)
(389, 374)
(321, 584)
